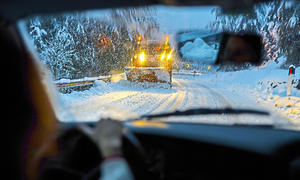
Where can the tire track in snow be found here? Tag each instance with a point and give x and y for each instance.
(172, 102)
(197, 91)
(139, 103)
(187, 92)
(199, 95)
(187, 95)
(165, 105)
(116, 96)
(220, 97)
(144, 108)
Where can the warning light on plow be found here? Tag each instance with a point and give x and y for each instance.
(157, 48)
(167, 40)
(139, 39)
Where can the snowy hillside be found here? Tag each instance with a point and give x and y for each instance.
(267, 86)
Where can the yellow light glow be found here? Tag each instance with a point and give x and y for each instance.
(149, 124)
(169, 56)
(116, 78)
(167, 39)
(142, 57)
(163, 56)
(208, 67)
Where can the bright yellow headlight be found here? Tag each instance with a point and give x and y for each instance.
(142, 57)
(163, 56)
(169, 56)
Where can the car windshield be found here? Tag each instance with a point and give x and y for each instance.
(127, 62)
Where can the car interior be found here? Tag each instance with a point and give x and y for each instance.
(167, 150)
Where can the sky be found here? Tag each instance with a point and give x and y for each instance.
(175, 19)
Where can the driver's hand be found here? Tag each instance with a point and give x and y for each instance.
(107, 135)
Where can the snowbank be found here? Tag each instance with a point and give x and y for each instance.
(199, 51)
(267, 86)
(62, 81)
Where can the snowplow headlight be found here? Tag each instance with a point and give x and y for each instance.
(162, 57)
(142, 57)
(169, 56)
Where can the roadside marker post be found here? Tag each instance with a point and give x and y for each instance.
(290, 80)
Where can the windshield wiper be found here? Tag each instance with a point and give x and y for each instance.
(205, 111)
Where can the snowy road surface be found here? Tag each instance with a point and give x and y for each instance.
(125, 99)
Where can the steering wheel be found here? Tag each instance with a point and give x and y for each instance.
(77, 156)
(138, 163)
(138, 159)
(80, 158)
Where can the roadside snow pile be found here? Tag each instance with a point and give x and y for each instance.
(273, 88)
(199, 51)
(61, 81)
(274, 93)
(288, 105)
(266, 86)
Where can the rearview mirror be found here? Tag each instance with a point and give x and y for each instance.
(239, 49)
(206, 48)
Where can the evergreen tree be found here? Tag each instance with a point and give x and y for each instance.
(71, 45)
(277, 22)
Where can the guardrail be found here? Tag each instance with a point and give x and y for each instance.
(67, 85)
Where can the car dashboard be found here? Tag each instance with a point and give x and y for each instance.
(199, 151)
(206, 151)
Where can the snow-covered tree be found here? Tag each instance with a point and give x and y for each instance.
(71, 46)
(54, 43)
(276, 21)
(289, 33)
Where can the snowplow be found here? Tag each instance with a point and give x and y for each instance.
(152, 62)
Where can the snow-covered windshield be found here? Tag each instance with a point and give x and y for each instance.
(98, 65)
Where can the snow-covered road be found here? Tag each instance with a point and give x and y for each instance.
(125, 99)
(143, 98)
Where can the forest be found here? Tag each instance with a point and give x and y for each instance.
(79, 45)
(278, 23)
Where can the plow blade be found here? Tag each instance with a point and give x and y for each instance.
(148, 74)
